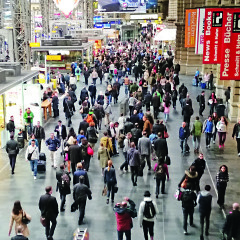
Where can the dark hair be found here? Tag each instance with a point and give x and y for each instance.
(105, 133)
(60, 121)
(207, 187)
(223, 166)
(16, 207)
(197, 117)
(62, 165)
(48, 189)
(159, 134)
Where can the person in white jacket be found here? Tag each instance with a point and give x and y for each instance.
(33, 154)
(147, 213)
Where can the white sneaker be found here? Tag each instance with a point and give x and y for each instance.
(185, 232)
(239, 154)
(34, 177)
(213, 142)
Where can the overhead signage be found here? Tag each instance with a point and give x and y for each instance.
(230, 59)
(61, 42)
(66, 6)
(200, 31)
(53, 57)
(33, 44)
(213, 35)
(190, 27)
(127, 6)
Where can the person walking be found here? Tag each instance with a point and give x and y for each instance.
(32, 155)
(68, 109)
(204, 201)
(236, 133)
(127, 145)
(108, 111)
(188, 199)
(144, 148)
(201, 100)
(11, 125)
(133, 158)
(74, 155)
(28, 116)
(39, 134)
(103, 157)
(160, 146)
(53, 144)
(93, 90)
(61, 131)
(110, 180)
(196, 133)
(222, 131)
(16, 216)
(147, 214)
(161, 171)
(63, 185)
(200, 165)
(184, 133)
(12, 149)
(212, 102)
(80, 172)
(231, 226)
(92, 134)
(222, 178)
(208, 129)
(55, 102)
(49, 211)
(124, 215)
(80, 194)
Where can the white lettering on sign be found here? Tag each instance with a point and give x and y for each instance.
(238, 42)
(209, 23)
(206, 57)
(228, 27)
(226, 62)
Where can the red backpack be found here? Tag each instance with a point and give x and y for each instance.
(89, 118)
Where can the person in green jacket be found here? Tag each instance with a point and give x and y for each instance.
(28, 116)
(159, 95)
(77, 73)
(134, 88)
(196, 134)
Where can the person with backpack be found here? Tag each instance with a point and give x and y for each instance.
(196, 134)
(147, 213)
(174, 97)
(188, 199)
(92, 134)
(160, 146)
(161, 171)
(184, 133)
(63, 185)
(124, 215)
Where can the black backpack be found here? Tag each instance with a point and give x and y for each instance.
(198, 98)
(149, 210)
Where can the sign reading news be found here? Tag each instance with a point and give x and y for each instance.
(230, 60)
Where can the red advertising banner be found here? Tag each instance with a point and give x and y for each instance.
(230, 59)
(190, 27)
(213, 35)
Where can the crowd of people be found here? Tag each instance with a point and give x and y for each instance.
(141, 135)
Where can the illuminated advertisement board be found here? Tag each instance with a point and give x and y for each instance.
(133, 6)
(151, 4)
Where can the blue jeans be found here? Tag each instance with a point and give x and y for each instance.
(127, 233)
(33, 165)
(110, 98)
(126, 89)
(166, 116)
(183, 144)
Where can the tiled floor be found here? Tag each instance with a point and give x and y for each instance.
(100, 219)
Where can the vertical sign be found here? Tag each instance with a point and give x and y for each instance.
(213, 35)
(200, 31)
(230, 60)
(190, 27)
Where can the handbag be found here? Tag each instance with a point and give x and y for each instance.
(184, 183)
(104, 191)
(90, 151)
(161, 109)
(29, 156)
(43, 221)
(168, 160)
(25, 220)
(115, 188)
(178, 194)
(166, 135)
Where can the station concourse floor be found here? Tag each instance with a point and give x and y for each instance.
(99, 217)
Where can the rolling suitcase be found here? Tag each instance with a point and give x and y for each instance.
(194, 82)
(203, 85)
(41, 166)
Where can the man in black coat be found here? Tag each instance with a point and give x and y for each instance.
(127, 126)
(201, 101)
(64, 189)
(160, 147)
(74, 155)
(83, 94)
(187, 112)
(156, 104)
(148, 99)
(68, 109)
(61, 131)
(12, 149)
(49, 210)
(80, 194)
(232, 224)
(39, 134)
(93, 90)
(136, 134)
(55, 102)
(134, 118)
(73, 97)
(83, 126)
(11, 125)
(19, 235)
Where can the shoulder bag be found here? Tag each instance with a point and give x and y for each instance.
(25, 220)
(29, 156)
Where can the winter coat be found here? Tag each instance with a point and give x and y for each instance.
(103, 156)
(53, 144)
(192, 180)
(133, 157)
(161, 148)
(107, 142)
(110, 175)
(197, 128)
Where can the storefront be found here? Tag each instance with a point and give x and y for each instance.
(15, 97)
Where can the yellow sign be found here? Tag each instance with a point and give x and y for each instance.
(54, 31)
(33, 44)
(54, 57)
